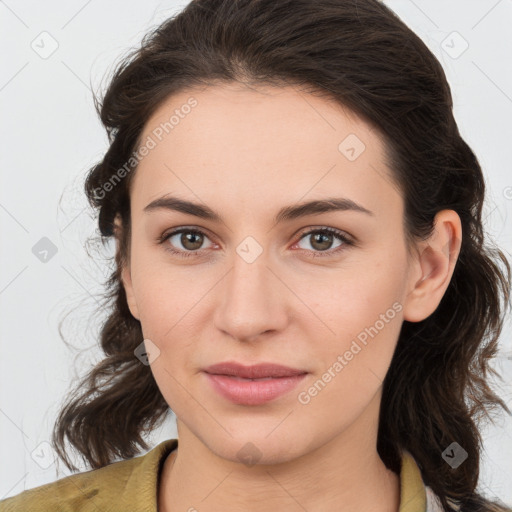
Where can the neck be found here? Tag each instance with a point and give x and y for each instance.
(345, 473)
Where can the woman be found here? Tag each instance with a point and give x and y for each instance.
(301, 273)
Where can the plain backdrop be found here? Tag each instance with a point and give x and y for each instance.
(54, 53)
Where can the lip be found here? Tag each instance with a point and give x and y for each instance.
(256, 371)
(232, 381)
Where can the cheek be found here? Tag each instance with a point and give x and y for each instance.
(358, 318)
(171, 307)
(352, 364)
(163, 296)
(353, 299)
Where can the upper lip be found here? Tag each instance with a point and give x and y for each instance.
(257, 371)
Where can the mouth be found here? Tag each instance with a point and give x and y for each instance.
(253, 385)
(255, 372)
(245, 379)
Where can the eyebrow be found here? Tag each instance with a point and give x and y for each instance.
(286, 213)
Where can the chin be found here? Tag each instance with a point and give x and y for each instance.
(257, 447)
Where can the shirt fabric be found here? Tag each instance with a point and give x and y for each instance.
(132, 485)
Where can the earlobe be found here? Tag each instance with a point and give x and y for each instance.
(432, 270)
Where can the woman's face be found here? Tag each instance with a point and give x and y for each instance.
(259, 286)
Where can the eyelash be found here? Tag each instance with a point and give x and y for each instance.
(338, 234)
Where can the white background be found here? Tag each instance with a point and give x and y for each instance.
(51, 136)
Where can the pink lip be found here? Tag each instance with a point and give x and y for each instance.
(256, 371)
(231, 380)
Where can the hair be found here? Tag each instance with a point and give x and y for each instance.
(360, 54)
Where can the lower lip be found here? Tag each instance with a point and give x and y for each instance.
(253, 392)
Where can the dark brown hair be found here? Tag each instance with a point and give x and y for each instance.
(359, 53)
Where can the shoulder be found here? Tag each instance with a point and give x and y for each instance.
(134, 480)
(73, 491)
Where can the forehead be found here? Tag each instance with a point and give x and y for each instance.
(235, 143)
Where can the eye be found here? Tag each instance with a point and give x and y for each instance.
(323, 239)
(190, 239)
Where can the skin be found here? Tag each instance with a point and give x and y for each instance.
(245, 153)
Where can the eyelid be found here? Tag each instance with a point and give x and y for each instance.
(318, 228)
(166, 235)
(345, 238)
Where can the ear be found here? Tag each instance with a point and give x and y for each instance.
(432, 268)
(126, 277)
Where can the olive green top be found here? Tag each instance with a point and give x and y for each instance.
(132, 485)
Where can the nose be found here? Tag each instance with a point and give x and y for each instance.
(253, 300)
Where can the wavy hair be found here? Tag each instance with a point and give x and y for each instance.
(359, 53)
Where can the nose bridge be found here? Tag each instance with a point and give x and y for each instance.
(248, 306)
(248, 281)
(249, 268)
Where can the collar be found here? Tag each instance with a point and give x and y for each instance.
(142, 485)
(132, 484)
(413, 496)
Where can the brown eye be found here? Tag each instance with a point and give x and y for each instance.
(321, 241)
(191, 240)
(183, 242)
